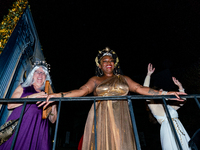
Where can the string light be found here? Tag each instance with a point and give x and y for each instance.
(10, 21)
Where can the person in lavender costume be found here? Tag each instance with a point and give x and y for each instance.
(34, 131)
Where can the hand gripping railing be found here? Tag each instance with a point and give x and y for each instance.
(94, 98)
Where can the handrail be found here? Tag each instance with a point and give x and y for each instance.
(91, 98)
(95, 98)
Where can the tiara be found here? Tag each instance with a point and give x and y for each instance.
(107, 53)
(41, 63)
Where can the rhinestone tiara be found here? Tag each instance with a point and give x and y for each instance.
(41, 63)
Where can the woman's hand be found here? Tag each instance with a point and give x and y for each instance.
(47, 102)
(150, 69)
(177, 95)
(53, 116)
(37, 95)
(177, 83)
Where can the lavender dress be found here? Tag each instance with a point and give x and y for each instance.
(34, 131)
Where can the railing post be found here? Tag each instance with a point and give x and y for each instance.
(197, 102)
(95, 132)
(172, 125)
(18, 126)
(56, 128)
(134, 123)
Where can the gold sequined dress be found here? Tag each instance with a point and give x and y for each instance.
(114, 127)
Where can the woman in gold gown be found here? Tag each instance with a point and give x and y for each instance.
(114, 127)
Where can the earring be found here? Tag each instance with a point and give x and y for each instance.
(100, 71)
(115, 71)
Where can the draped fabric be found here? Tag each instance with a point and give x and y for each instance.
(34, 131)
(166, 135)
(114, 127)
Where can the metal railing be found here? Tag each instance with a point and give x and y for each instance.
(129, 98)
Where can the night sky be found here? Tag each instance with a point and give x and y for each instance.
(164, 33)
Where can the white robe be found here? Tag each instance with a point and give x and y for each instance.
(166, 136)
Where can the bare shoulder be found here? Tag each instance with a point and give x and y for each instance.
(95, 79)
(129, 80)
(18, 91)
(19, 88)
(126, 77)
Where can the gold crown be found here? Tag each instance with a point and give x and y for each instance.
(108, 52)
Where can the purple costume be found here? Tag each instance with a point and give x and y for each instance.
(34, 131)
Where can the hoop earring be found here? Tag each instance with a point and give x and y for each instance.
(115, 71)
(100, 71)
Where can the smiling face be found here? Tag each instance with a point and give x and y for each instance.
(107, 64)
(39, 77)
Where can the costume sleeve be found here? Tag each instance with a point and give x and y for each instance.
(156, 109)
(147, 81)
(183, 90)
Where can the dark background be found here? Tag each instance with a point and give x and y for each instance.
(164, 33)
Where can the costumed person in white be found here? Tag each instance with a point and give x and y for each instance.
(166, 136)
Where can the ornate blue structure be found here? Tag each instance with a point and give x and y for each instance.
(21, 50)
